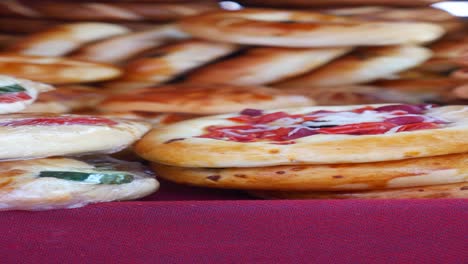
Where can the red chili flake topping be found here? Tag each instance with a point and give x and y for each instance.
(9, 98)
(62, 120)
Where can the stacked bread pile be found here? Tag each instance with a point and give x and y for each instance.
(34, 173)
(161, 62)
(380, 53)
(366, 151)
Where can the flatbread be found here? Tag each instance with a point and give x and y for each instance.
(257, 139)
(63, 39)
(201, 99)
(67, 98)
(44, 184)
(17, 94)
(166, 63)
(362, 66)
(353, 94)
(263, 65)
(438, 170)
(456, 190)
(27, 136)
(55, 70)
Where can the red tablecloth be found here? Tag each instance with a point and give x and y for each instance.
(222, 228)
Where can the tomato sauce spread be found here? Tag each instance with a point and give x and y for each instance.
(254, 125)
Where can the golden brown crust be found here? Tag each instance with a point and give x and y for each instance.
(438, 90)
(450, 23)
(461, 91)
(63, 39)
(361, 66)
(319, 3)
(55, 70)
(260, 66)
(19, 25)
(360, 176)
(67, 98)
(165, 63)
(457, 190)
(124, 47)
(149, 117)
(304, 29)
(73, 10)
(164, 144)
(353, 94)
(201, 99)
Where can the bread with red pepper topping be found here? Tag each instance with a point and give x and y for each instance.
(310, 135)
(17, 94)
(28, 136)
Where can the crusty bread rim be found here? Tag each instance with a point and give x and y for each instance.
(456, 190)
(437, 170)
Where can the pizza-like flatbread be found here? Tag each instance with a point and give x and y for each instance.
(438, 170)
(310, 135)
(456, 190)
(201, 99)
(54, 183)
(27, 136)
(17, 94)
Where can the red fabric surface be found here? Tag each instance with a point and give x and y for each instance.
(239, 231)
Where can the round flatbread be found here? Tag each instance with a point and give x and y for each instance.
(286, 28)
(353, 94)
(310, 135)
(123, 47)
(63, 39)
(201, 99)
(344, 177)
(53, 183)
(55, 70)
(259, 66)
(99, 11)
(362, 66)
(17, 94)
(457, 190)
(320, 3)
(27, 136)
(166, 63)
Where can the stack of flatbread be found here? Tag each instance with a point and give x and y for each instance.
(363, 151)
(35, 175)
(121, 68)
